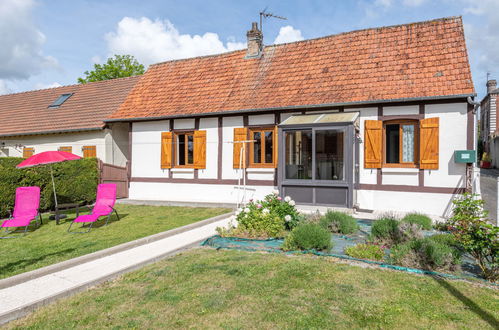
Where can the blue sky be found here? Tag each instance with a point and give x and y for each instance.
(52, 42)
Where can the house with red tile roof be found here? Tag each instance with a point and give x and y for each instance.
(67, 118)
(367, 119)
(489, 128)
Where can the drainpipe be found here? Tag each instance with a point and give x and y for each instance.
(473, 169)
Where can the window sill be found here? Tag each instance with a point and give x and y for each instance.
(399, 170)
(182, 170)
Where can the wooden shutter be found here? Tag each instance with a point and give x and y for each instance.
(200, 149)
(275, 148)
(428, 144)
(240, 134)
(28, 152)
(66, 149)
(373, 137)
(89, 151)
(166, 149)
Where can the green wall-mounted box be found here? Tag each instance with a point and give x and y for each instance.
(465, 156)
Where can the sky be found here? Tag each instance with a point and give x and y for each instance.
(49, 43)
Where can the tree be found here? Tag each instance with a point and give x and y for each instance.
(118, 67)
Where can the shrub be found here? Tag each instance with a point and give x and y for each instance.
(269, 217)
(339, 222)
(365, 251)
(308, 236)
(75, 181)
(416, 218)
(407, 232)
(477, 237)
(426, 254)
(384, 230)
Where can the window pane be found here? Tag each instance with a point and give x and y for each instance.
(268, 147)
(392, 143)
(298, 155)
(408, 143)
(181, 149)
(329, 155)
(190, 149)
(257, 147)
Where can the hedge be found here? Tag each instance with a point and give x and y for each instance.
(75, 181)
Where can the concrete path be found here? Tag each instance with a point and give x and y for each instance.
(488, 187)
(19, 299)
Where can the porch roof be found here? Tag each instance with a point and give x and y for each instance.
(323, 118)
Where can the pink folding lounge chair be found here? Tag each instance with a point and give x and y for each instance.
(104, 206)
(26, 210)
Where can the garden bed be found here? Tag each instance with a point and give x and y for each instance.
(413, 243)
(340, 242)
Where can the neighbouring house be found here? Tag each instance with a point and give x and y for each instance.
(489, 133)
(367, 119)
(68, 118)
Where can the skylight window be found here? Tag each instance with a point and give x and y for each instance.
(60, 100)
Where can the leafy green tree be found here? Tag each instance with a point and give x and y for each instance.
(118, 67)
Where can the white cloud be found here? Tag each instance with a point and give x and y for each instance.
(4, 89)
(96, 59)
(21, 55)
(44, 86)
(155, 41)
(413, 3)
(383, 3)
(288, 34)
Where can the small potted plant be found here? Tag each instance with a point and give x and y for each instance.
(486, 161)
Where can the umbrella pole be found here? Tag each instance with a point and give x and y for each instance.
(53, 186)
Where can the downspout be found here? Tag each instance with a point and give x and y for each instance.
(473, 171)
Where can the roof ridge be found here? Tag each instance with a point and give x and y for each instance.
(448, 18)
(77, 84)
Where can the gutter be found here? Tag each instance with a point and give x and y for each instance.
(294, 107)
(53, 132)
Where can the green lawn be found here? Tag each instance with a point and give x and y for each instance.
(50, 243)
(205, 288)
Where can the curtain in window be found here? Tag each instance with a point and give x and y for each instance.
(408, 143)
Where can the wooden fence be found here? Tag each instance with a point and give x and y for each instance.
(115, 174)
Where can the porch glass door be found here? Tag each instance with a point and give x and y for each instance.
(298, 165)
(329, 155)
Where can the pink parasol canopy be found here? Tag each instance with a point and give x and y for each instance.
(47, 157)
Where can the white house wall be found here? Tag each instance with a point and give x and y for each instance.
(52, 142)
(198, 193)
(432, 192)
(453, 125)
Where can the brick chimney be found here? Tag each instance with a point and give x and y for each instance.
(255, 41)
(491, 85)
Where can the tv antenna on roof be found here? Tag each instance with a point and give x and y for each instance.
(265, 14)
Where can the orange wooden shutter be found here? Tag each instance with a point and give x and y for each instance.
(89, 151)
(28, 152)
(240, 134)
(373, 136)
(275, 147)
(428, 144)
(66, 149)
(166, 149)
(199, 149)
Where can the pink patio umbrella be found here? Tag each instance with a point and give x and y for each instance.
(48, 158)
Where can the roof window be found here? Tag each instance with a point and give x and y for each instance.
(60, 100)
